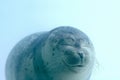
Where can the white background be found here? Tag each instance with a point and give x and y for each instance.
(99, 19)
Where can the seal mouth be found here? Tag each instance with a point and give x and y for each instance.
(77, 65)
(74, 68)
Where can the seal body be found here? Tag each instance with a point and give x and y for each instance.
(64, 53)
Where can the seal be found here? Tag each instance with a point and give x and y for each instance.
(64, 53)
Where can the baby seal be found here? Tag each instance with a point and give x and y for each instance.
(64, 53)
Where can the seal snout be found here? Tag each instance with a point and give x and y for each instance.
(74, 58)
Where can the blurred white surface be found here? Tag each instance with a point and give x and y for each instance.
(99, 19)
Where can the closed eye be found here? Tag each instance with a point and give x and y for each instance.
(67, 41)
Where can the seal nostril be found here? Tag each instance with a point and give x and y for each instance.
(81, 55)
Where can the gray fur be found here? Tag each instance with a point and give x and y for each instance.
(39, 56)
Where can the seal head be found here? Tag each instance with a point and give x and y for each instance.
(68, 50)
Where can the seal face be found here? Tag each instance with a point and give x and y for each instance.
(68, 50)
(64, 53)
